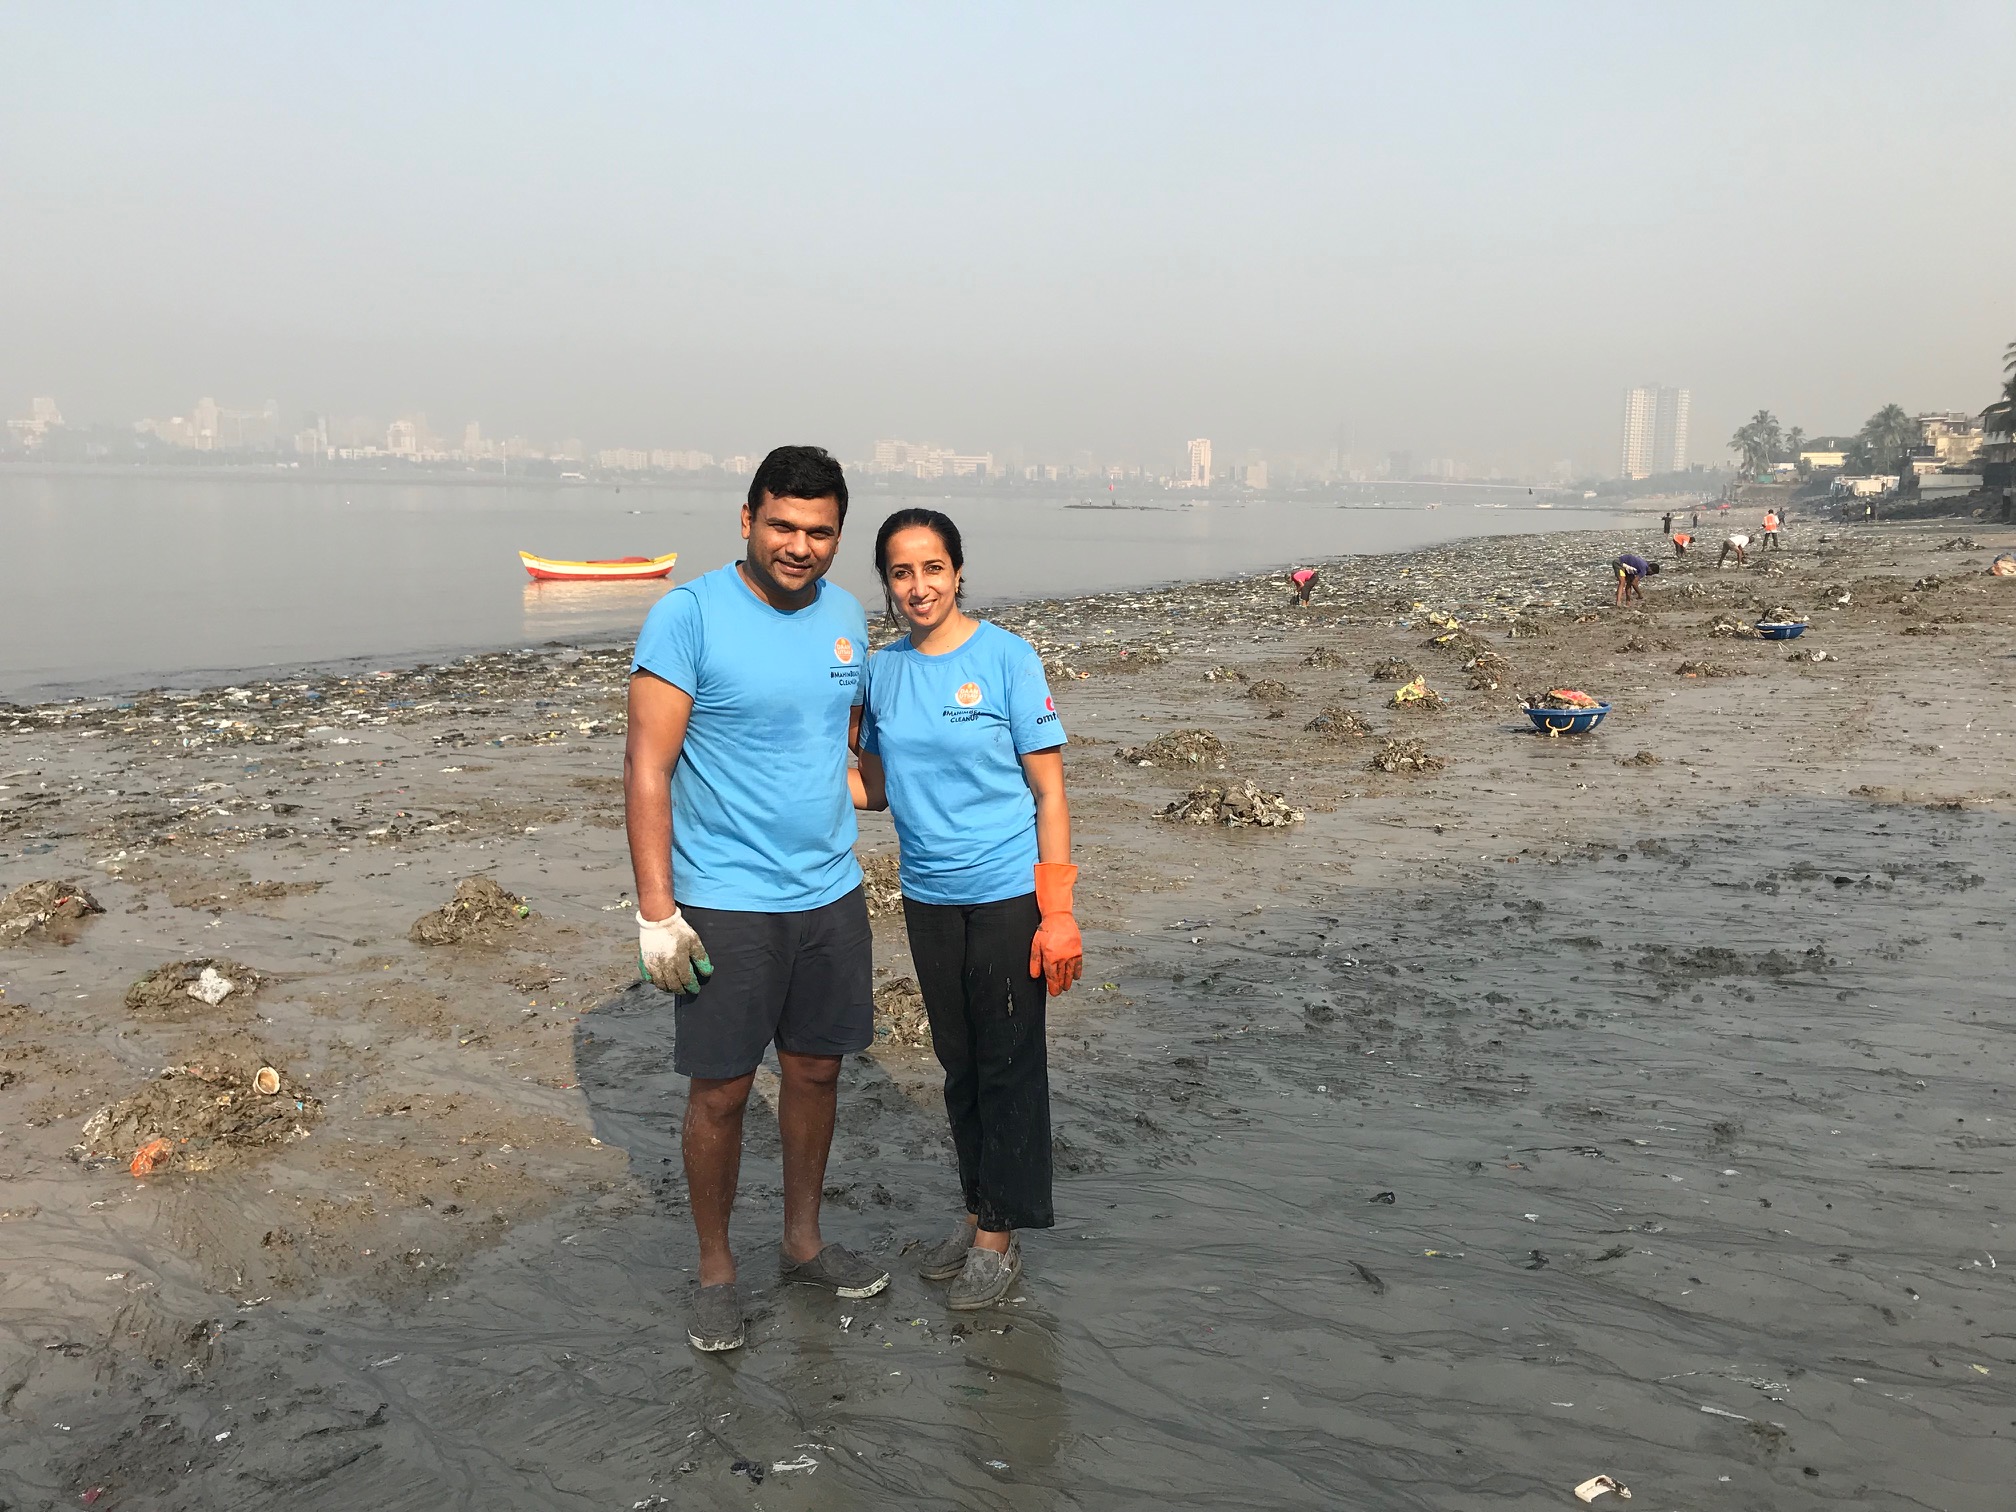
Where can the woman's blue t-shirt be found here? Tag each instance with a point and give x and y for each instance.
(951, 731)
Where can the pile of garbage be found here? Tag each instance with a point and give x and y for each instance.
(1642, 759)
(1417, 695)
(1178, 748)
(1392, 671)
(1235, 804)
(881, 880)
(1451, 635)
(45, 910)
(1488, 671)
(1269, 690)
(1728, 624)
(184, 989)
(1223, 674)
(1326, 657)
(480, 913)
(1338, 723)
(900, 1019)
(1705, 669)
(199, 1116)
(1562, 698)
(1815, 655)
(1405, 756)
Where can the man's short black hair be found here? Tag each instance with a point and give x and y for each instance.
(799, 472)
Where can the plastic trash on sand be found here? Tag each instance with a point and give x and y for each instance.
(150, 1156)
(2003, 566)
(1600, 1485)
(211, 987)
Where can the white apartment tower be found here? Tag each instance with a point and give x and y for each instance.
(1200, 464)
(1655, 430)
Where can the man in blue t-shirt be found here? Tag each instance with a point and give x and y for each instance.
(745, 695)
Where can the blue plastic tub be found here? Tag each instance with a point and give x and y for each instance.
(1779, 631)
(1567, 721)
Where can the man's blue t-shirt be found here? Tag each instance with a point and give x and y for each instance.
(761, 818)
(951, 731)
(1638, 565)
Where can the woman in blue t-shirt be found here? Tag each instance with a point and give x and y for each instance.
(960, 741)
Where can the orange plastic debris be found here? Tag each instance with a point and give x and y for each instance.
(150, 1156)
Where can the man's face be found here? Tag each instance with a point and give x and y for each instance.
(792, 541)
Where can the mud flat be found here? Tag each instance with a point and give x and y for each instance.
(1631, 1104)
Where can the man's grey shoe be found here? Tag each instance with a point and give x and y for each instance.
(945, 1259)
(987, 1277)
(836, 1266)
(717, 1318)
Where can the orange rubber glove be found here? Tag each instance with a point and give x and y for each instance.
(1057, 954)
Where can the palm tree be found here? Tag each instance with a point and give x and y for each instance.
(2001, 415)
(1889, 434)
(1757, 442)
(1795, 440)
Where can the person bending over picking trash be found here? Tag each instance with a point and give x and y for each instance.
(1632, 570)
(1303, 581)
(745, 695)
(1738, 546)
(962, 744)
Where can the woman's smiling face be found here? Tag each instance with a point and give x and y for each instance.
(920, 578)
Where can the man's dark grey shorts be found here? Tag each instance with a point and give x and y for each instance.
(803, 980)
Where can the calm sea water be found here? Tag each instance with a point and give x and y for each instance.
(120, 582)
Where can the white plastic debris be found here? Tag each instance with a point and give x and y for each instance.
(1600, 1485)
(212, 987)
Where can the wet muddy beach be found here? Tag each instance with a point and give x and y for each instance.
(1559, 1110)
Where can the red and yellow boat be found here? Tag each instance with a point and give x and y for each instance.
(606, 570)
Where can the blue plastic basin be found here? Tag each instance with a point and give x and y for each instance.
(1567, 721)
(1780, 631)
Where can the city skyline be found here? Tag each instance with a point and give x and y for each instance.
(250, 433)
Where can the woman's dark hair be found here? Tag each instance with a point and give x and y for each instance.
(927, 519)
(799, 472)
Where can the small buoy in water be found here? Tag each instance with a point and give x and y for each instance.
(266, 1082)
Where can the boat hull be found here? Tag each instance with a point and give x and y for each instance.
(620, 570)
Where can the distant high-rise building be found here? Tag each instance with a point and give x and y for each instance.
(1655, 430)
(1256, 474)
(1200, 464)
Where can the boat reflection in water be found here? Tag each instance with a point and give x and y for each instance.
(574, 611)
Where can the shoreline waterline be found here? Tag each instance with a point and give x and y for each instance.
(631, 601)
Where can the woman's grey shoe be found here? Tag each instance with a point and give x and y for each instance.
(986, 1278)
(945, 1259)
(717, 1318)
(836, 1266)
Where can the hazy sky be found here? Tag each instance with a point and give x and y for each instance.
(1460, 230)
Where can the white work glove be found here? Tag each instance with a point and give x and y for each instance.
(670, 955)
